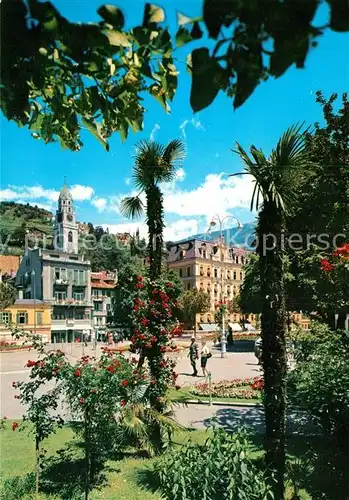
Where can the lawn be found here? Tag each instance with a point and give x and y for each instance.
(184, 394)
(129, 477)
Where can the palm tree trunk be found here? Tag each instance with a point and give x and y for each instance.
(155, 214)
(273, 324)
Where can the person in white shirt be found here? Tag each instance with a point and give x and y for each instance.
(205, 354)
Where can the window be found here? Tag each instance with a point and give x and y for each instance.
(237, 259)
(22, 318)
(181, 272)
(201, 286)
(39, 318)
(78, 296)
(181, 254)
(5, 318)
(234, 275)
(241, 276)
(188, 272)
(208, 272)
(228, 274)
(234, 290)
(60, 295)
(242, 259)
(201, 270)
(215, 273)
(228, 290)
(98, 306)
(70, 237)
(99, 321)
(27, 295)
(60, 274)
(79, 315)
(204, 254)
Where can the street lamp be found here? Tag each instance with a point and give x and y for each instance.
(213, 223)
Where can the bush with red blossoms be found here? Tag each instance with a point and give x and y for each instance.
(154, 327)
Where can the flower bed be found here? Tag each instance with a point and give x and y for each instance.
(248, 388)
(12, 346)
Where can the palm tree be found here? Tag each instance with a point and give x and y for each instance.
(275, 181)
(154, 164)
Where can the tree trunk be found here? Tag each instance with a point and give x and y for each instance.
(37, 464)
(273, 325)
(155, 214)
(87, 455)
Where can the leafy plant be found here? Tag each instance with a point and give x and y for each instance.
(218, 469)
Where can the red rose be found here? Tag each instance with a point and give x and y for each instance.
(154, 292)
(124, 383)
(82, 401)
(122, 402)
(145, 321)
(93, 391)
(14, 426)
(154, 339)
(139, 278)
(136, 308)
(140, 285)
(142, 337)
(163, 348)
(30, 363)
(77, 373)
(326, 266)
(111, 369)
(14, 384)
(148, 345)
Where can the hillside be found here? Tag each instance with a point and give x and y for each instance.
(240, 237)
(16, 219)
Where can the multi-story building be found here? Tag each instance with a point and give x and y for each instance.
(33, 316)
(103, 287)
(61, 276)
(215, 268)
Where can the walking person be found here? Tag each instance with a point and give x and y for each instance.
(193, 355)
(205, 355)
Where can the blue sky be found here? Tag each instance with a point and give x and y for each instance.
(33, 172)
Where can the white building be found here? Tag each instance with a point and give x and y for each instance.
(61, 276)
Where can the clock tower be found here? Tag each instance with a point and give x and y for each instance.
(65, 232)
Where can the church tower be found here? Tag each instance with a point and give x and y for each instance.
(65, 230)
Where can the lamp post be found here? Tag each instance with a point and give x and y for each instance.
(213, 222)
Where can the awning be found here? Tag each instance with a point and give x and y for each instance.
(209, 327)
(249, 327)
(235, 327)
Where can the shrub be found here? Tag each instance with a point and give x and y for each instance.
(320, 383)
(216, 470)
(17, 487)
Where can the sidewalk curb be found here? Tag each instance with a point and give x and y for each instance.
(217, 403)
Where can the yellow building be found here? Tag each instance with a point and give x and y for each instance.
(213, 268)
(33, 316)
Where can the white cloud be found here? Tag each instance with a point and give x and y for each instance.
(81, 193)
(181, 229)
(100, 204)
(217, 194)
(180, 174)
(195, 122)
(128, 181)
(153, 132)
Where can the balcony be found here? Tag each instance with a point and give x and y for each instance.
(71, 302)
(60, 281)
(71, 324)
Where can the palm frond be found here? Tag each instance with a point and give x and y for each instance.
(131, 207)
(172, 159)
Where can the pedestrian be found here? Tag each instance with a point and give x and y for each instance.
(193, 355)
(205, 355)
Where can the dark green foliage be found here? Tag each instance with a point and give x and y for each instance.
(18, 487)
(58, 76)
(7, 295)
(218, 469)
(320, 382)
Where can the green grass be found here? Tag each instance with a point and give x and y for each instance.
(18, 459)
(184, 394)
(328, 479)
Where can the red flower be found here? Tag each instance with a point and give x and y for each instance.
(77, 373)
(15, 425)
(155, 292)
(124, 383)
(30, 363)
(39, 364)
(54, 372)
(152, 302)
(154, 339)
(139, 285)
(122, 402)
(136, 308)
(14, 384)
(93, 391)
(163, 348)
(111, 369)
(168, 284)
(326, 266)
(163, 364)
(139, 278)
(177, 387)
(82, 401)
(145, 321)
(142, 337)
(148, 345)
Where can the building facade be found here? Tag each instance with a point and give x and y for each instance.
(213, 267)
(61, 277)
(103, 290)
(33, 316)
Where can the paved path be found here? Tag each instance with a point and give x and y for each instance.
(12, 368)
